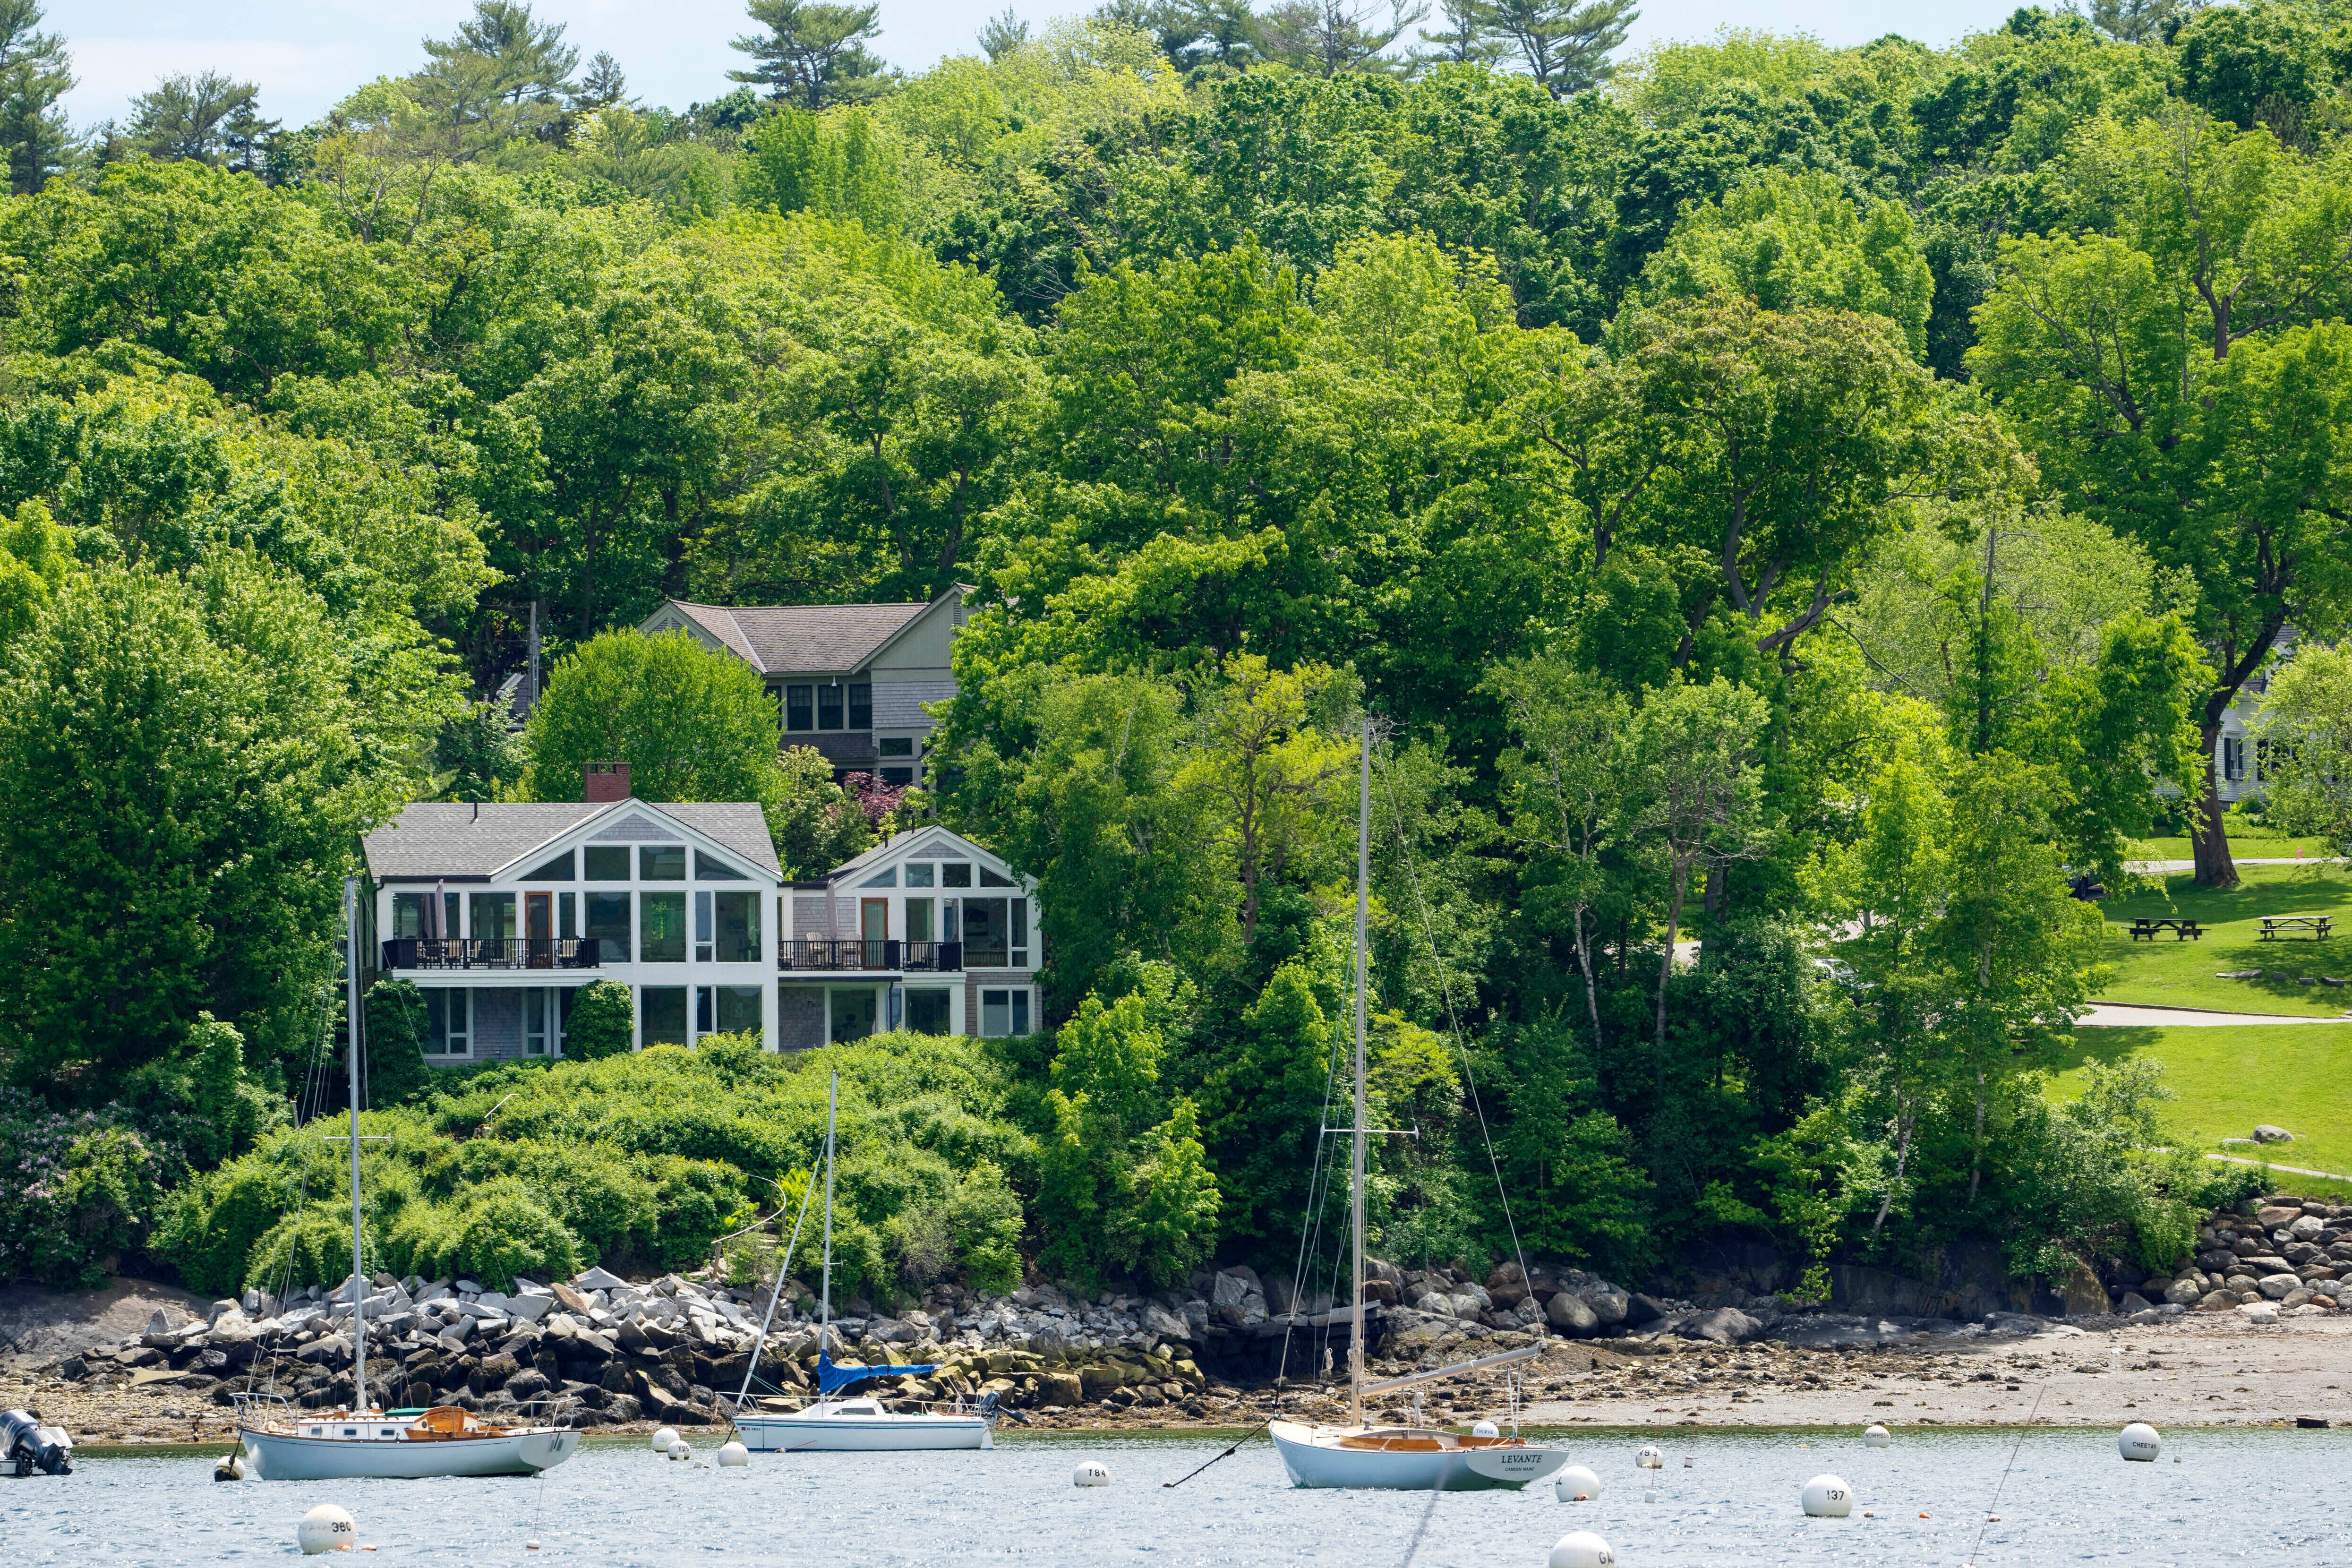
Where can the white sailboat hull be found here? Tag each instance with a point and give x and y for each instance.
(811, 1432)
(281, 1456)
(1317, 1456)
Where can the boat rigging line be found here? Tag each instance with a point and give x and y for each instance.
(2014, 1451)
(1229, 1453)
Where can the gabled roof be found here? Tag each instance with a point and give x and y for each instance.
(811, 639)
(928, 843)
(453, 839)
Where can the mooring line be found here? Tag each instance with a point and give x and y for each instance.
(2014, 1450)
(1229, 1453)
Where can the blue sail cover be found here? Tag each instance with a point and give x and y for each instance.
(831, 1377)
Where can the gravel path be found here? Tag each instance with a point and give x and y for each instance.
(2134, 1014)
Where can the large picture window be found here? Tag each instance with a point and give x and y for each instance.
(607, 862)
(449, 1022)
(1003, 1013)
(608, 922)
(494, 917)
(927, 1011)
(661, 928)
(986, 933)
(729, 1009)
(661, 1014)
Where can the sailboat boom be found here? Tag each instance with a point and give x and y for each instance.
(1528, 1353)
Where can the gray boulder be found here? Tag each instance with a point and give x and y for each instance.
(2266, 1134)
(1572, 1315)
(2184, 1293)
(2278, 1287)
(597, 1279)
(2307, 1228)
(1608, 1303)
(1723, 1326)
(1436, 1305)
(1641, 1310)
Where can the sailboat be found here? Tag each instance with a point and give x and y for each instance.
(283, 1445)
(858, 1424)
(1396, 1457)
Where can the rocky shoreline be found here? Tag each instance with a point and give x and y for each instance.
(1231, 1349)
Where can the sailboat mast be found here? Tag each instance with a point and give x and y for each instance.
(1356, 1159)
(352, 1028)
(824, 1297)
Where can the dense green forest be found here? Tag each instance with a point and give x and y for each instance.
(1790, 512)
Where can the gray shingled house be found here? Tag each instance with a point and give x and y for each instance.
(848, 680)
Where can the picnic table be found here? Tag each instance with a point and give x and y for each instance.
(2145, 929)
(2318, 925)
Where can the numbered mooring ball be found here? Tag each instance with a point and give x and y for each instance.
(1577, 1484)
(1828, 1497)
(1651, 1458)
(664, 1439)
(2139, 1441)
(679, 1450)
(325, 1528)
(1581, 1549)
(1877, 1438)
(1486, 1429)
(734, 1455)
(1091, 1473)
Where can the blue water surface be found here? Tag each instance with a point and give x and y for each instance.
(2262, 1496)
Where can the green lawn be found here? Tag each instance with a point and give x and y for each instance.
(2171, 973)
(2247, 843)
(2227, 1081)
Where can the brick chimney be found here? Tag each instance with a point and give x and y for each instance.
(606, 782)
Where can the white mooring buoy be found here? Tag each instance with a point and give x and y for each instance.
(231, 1468)
(1577, 1484)
(1651, 1458)
(2139, 1441)
(1581, 1549)
(1090, 1473)
(1877, 1438)
(679, 1450)
(733, 1455)
(664, 1439)
(1486, 1429)
(325, 1528)
(1827, 1497)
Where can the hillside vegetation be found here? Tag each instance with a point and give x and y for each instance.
(1805, 508)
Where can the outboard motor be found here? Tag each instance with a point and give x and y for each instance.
(28, 1446)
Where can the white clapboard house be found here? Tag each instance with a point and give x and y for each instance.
(500, 912)
(926, 932)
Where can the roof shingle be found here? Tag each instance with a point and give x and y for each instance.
(453, 838)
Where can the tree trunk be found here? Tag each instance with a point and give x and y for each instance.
(1591, 995)
(1666, 970)
(2209, 831)
(1901, 1157)
(1976, 1162)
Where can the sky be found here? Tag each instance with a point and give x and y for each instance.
(307, 53)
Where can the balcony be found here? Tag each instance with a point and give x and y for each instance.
(818, 953)
(493, 952)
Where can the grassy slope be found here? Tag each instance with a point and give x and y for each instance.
(2229, 1079)
(2245, 843)
(2181, 973)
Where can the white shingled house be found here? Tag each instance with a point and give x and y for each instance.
(926, 932)
(500, 912)
(849, 680)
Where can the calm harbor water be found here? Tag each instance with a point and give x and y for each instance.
(2271, 1498)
